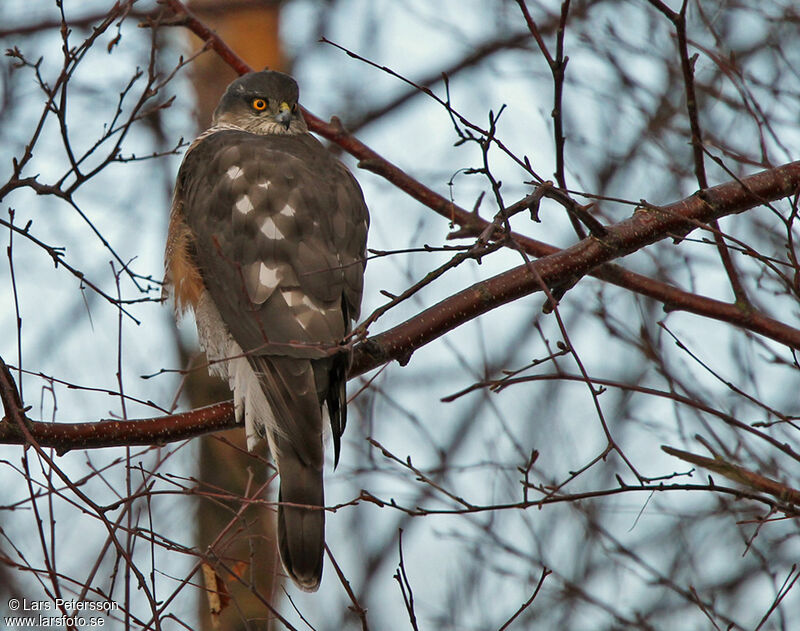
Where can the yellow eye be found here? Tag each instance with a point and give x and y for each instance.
(259, 104)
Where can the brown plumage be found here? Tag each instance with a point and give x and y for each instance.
(266, 245)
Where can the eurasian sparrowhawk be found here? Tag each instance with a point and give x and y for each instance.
(266, 245)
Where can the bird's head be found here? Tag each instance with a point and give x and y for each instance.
(262, 103)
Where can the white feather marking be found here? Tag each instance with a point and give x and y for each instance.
(261, 280)
(268, 276)
(313, 305)
(249, 400)
(270, 230)
(304, 319)
(305, 309)
(244, 205)
(287, 211)
(293, 297)
(265, 185)
(234, 172)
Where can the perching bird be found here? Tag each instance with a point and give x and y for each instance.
(266, 245)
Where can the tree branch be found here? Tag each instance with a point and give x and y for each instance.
(645, 227)
(648, 225)
(472, 224)
(591, 255)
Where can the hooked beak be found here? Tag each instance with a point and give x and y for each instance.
(284, 115)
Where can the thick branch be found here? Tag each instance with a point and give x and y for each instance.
(472, 224)
(643, 228)
(591, 255)
(750, 479)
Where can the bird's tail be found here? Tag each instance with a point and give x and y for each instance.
(301, 531)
